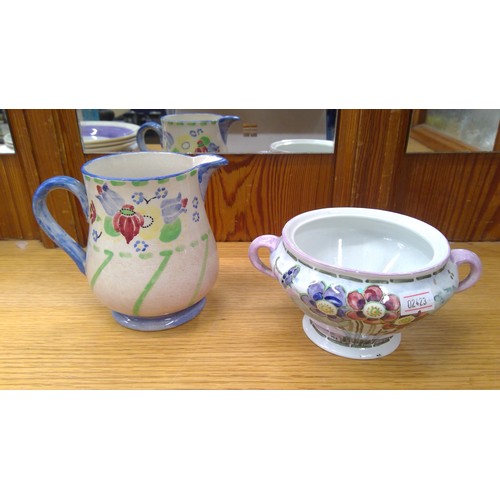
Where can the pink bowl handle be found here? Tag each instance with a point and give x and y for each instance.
(461, 256)
(268, 241)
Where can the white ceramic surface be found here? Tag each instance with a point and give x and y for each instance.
(361, 275)
(291, 146)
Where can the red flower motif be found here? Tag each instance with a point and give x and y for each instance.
(373, 306)
(92, 212)
(128, 222)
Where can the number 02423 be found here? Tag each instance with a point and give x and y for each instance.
(415, 302)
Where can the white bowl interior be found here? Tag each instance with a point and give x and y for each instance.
(371, 245)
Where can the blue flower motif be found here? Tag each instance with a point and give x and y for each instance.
(195, 202)
(196, 217)
(110, 200)
(171, 208)
(288, 277)
(161, 192)
(323, 301)
(213, 148)
(140, 246)
(138, 198)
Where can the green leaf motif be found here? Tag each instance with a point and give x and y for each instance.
(171, 231)
(108, 227)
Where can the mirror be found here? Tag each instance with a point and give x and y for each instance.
(257, 130)
(454, 131)
(6, 141)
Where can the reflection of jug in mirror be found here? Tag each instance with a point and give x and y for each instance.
(151, 256)
(189, 133)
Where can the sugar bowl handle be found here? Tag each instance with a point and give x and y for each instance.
(461, 256)
(267, 241)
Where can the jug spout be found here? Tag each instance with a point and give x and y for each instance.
(207, 164)
(224, 123)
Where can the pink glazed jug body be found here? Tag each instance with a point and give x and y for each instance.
(151, 256)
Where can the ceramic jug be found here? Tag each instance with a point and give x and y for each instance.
(151, 256)
(189, 132)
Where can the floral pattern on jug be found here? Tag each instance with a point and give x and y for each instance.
(196, 140)
(147, 216)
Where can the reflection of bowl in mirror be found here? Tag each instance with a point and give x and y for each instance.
(302, 146)
(361, 275)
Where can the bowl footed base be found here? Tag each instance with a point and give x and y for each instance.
(157, 323)
(344, 347)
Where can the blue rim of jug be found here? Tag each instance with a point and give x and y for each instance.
(220, 161)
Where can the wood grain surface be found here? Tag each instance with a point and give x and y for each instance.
(457, 193)
(55, 335)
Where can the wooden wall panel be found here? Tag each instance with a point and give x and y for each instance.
(457, 193)
(18, 180)
(51, 158)
(258, 194)
(369, 148)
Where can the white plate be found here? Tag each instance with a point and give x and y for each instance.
(112, 148)
(302, 146)
(7, 139)
(103, 132)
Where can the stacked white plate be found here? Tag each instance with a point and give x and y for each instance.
(108, 137)
(7, 139)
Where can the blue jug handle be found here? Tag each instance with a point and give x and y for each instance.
(146, 127)
(49, 225)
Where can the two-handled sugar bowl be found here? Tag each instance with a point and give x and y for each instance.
(362, 275)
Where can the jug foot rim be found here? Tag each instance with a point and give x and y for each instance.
(157, 323)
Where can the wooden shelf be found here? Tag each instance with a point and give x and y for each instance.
(55, 335)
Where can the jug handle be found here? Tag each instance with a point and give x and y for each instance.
(461, 256)
(265, 241)
(49, 225)
(146, 127)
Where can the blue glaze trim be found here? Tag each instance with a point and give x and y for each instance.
(156, 323)
(137, 155)
(205, 171)
(49, 225)
(155, 127)
(224, 124)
